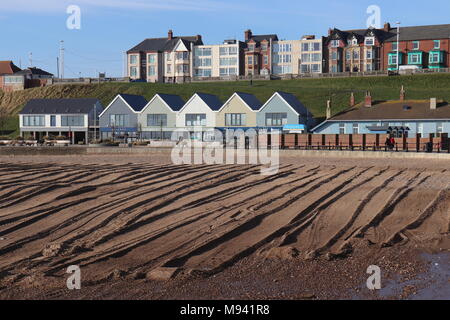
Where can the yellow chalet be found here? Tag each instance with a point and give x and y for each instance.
(239, 112)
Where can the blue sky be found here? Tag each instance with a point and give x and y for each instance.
(110, 27)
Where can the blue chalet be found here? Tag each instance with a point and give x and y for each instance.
(397, 118)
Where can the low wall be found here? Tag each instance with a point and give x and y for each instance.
(61, 151)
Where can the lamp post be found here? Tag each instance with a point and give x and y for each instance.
(398, 46)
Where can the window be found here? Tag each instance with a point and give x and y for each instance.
(157, 120)
(369, 54)
(316, 68)
(152, 58)
(283, 69)
(266, 59)
(393, 59)
(439, 129)
(335, 43)
(228, 72)
(415, 58)
(225, 51)
(133, 72)
(341, 128)
(348, 55)
(228, 61)
(251, 47)
(416, 45)
(151, 70)
(235, 119)
(355, 55)
(168, 56)
(118, 120)
(305, 47)
(33, 121)
(52, 121)
(285, 47)
(169, 68)
(355, 42)
(250, 60)
(264, 47)
(369, 41)
(305, 68)
(202, 62)
(182, 68)
(202, 72)
(436, 57)
(394, 46)
(355, 128)
(202, 52)
(195, 119)
(369, 67)
(72, 121)
(437, 44)
(306, 57)
(285, 58)
(133, 59)
(276, 119)
(182, 55)
(334, 55)
(420, 128)
(317, 46)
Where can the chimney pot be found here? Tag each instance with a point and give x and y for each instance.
(387, 27)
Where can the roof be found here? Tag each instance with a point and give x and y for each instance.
(60, 106)
(34, 71)
(433, 32)
(294, 102)
(262, 37)
(211, 100)
(250, 100)
(8, 67)
(164, 44)
(360, 34)
(174, 102)
(395, 110)
(137, 103)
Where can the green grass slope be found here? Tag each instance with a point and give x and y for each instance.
(312, 92)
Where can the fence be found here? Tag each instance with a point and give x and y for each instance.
(361, 142)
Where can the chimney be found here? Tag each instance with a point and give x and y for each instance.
(198, 37)
(433, 103)
(368, 100)
(328, 109)
(330, 31)
(402, 94)
(387, 27)
(248, 35)
(352, 100)
(170, 35)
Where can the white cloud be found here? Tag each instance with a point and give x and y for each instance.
(60, 5)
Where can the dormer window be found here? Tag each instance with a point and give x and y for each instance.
(369, 41)
(251, 47)
(335, 43)
(355, 42)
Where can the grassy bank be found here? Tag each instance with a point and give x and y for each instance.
(312, 92)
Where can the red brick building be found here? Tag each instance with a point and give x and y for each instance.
(257, 53)
(420, 47)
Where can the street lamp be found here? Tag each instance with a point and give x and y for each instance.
(398, 46)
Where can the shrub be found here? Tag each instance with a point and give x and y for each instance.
(5, 138)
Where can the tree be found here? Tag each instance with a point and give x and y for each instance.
(3, 120)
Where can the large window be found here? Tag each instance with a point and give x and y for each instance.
(202, 51)
(202, 72)
(228, 72)
(276, 119)
(235, 119)
(197, 119)
(229, 61)
(157, 120)
(133, 72)
(182, 68)
(151, 70)
(152, 58)
(436, 57)
(33, 121)
(52, 121)
(335, 43)
(283, 69)
(369, 41)
(285, 47)
(250, 60)
(225, 51)
(72, 121)
(182, 55)
(133, 59)
(118, 120)
(415, 58)
(204, 62)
